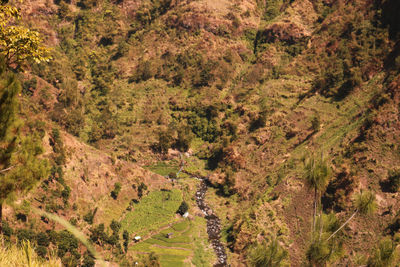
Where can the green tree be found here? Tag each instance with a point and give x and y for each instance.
(185, 137)
(117, 189)
(394, 180)
(384, 255)
(165, 140)
(316, 174)
(20, 166)
(321, 251)
(125, 236)
(150, 260)
(271, 255)
(18, 44)
(183, 208)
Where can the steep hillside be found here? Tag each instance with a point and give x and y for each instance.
(253, 96)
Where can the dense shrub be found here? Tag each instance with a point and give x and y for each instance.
(227, 188)
(113, 239)
(125, 236)
(185, 137)
(66, 242)
(183, 208)
(42, 239)
(259, 121)
(87, 4)
(215, 158)
(394, 180)
(66, 193)
(116, 190)
(97, 234)
(58, 146)
(88, 260)
(88, 217)
(141, 188)
(204, 128)
(272, 9)
(144, 71)
(29, 86)
(315, 123)
(115, 226)
(7, 230)
(165, 141)
(25, 234)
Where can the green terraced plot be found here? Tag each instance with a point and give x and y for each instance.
(182, 226)
(163, 168)
(188, 243)
(153, 211)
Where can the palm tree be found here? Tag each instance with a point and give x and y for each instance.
(365, 203)
(271, 255)
(321, 251)
(316, 174)
(385, 254)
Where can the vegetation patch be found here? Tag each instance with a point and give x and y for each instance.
(154, 210)
(163, 168)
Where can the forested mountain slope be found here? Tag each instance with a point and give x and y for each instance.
(289, 107)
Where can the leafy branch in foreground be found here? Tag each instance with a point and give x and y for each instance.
(18, 44)
(20, 163)
(24, 255)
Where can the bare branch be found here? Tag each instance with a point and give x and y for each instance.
(7, 169)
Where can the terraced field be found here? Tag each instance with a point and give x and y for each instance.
(155, 216)
(186, 246)
(154, 211)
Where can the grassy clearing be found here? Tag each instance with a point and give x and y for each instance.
(181, 226)
(156, 209)
(203, 253)
(163, 168)
(171, 244)
(173, 261)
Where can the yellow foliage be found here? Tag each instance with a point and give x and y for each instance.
(19, 44)
(25, 255)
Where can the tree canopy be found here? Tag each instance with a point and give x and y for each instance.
(18, 44)
(18, 154)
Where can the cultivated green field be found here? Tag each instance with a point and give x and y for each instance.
(163, 168)
(187, 245)
(153, 211)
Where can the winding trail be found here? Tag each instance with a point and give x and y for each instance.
(213, 222)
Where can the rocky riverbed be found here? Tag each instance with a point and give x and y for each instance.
(213, 225)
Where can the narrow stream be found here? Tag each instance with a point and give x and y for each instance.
(213, 224)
